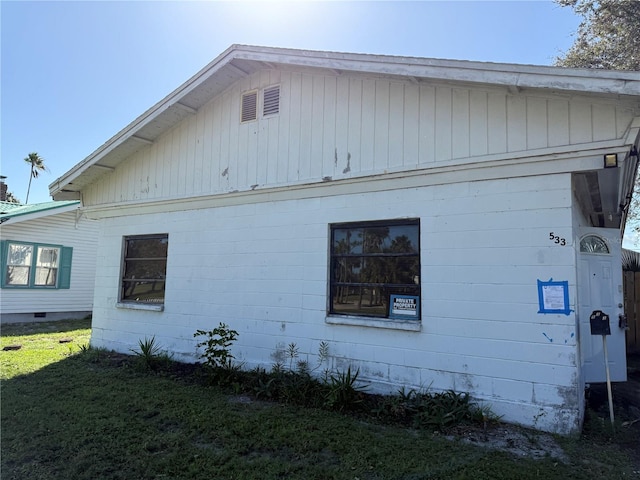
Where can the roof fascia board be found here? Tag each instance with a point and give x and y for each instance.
(504, 74)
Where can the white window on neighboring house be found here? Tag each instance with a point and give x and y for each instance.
(144, 269)
(375, 269)
(32, 265)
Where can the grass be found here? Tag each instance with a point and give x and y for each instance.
(68, 412)
(40, 344)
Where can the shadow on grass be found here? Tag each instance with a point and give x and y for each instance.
(96, 414)
(36, 328)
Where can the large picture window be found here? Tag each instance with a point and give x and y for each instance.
(374, 266)
(144, 269)
(32, 265)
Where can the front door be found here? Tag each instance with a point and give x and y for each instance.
(600, 288)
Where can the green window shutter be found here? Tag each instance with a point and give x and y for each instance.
(65, 267)
(4, 245)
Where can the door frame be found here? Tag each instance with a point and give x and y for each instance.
(591, 346)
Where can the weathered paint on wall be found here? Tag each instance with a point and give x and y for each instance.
(332, 127)
(261, 267)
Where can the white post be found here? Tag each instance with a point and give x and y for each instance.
(606, 366)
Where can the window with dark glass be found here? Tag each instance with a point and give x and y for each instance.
(144, 269)
(375, 265)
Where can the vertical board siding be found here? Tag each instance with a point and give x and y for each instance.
(427, 125)
(317, 121)
(444, 127)
(306, 133)
(341, 126)
(354, 129)
(478, 123)
(497, 127)
(461, 127)
(381, 136)
(396, 126)
(367, 129)
(558, 122)
(329, 124)
(481, 332)
(516, 124)
(57, 230)
(341, 142)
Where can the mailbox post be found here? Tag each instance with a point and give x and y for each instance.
(600, 326)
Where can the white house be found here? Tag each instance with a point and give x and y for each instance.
(441, 224)
(48, 262)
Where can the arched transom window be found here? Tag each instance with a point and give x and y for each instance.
(593, 244)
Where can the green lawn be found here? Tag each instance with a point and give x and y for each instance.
(72, 413)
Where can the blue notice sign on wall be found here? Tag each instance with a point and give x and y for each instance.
(553, 297)
(404, 306)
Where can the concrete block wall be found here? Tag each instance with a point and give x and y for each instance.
(262, 268)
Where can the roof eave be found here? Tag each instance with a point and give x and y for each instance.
(23, 216)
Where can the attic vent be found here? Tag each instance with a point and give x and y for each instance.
(271, 104)
(249, 106)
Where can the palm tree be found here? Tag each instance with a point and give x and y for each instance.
(11, 198)
(37, 164)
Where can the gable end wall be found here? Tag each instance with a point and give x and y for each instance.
(333, 127)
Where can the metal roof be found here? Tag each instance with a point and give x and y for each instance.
(240, 61)
(10, 210)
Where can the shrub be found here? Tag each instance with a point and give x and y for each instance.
(343, 393)
(150, 354)
(217, 343)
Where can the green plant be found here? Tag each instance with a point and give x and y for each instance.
(343, 392)
(149, 352)
(292, 354)
(444, 409)
(216, 345)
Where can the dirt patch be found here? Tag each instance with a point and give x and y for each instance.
(534, 444)
(516, 440)
(528, 443)
(625, 395)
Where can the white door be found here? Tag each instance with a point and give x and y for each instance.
(600, 288)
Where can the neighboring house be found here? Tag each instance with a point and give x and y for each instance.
(48, 261)
(441, 224)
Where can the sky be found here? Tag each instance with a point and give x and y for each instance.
(73, 74)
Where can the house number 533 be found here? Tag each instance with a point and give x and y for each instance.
(557, 239)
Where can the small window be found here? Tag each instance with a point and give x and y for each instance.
(249, 106)
(19, 264)
(47, 266)
(32, 265)
(271, 104)
(593, 244)
(144, 269)
(375, 269)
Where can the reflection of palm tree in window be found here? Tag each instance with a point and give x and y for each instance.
(402, 244)
(373, 270)
(346, 267)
